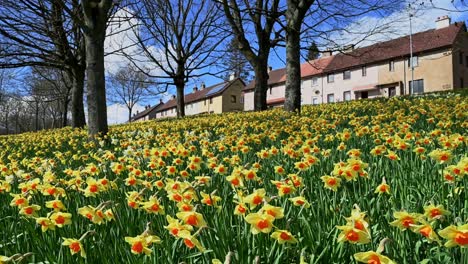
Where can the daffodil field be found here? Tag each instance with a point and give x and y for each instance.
(371, 181)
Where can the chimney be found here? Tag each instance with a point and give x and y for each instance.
(326, 53)
(442, 22)
(232, 76)
(269, 69)
(348, 48)
(195, 89)
(173, 96)
(160, 101)
(202, 86)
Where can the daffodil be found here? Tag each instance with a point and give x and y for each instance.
(75, 246)
(371, 257)
(455, 235)
(141, 243)
(284, 236)
(260, 222)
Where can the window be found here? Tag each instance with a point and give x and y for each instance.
(415, 62)
(330, 98)
(233, 98)
(364, 71)
(391, 66)
(330, 78)
(460, 57)
(347, 96)
(315, 79)
(211, 100)
(347, 75)
(241, 99)
(462, 83)
(315, 100)
(271, 90)
(172, 110)
(418, 86)
(204, 102)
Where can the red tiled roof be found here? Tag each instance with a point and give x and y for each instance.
(275, 76)
(146, 112)
(200, 94)
(396, 48)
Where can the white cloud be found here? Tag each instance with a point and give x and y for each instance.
(121, 38)
(118, 113)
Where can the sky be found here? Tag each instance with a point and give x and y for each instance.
(397, 22)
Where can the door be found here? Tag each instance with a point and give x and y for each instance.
(391, 91)
(364, 95)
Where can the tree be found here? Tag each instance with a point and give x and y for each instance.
(44, 33)
(96, 14)
(313, 52)
(323, 19)
(262, 16)
(234, 62)
(129, 86)
(179, 37)
(295, 13)
(58, 91)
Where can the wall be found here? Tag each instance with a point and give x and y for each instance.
(460, 70)
(248, 98)
(234, 90)
(434, 67)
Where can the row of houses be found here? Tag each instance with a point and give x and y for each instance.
(439, 62)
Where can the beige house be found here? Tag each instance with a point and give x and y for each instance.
(147, 114)
(440, 62)
(218, 98)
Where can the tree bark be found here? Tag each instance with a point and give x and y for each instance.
(130, 114)
(77, 106)
(261, 87)
(295, 13)
(96, 14)
(180, 87)
(293, 71)
(66, 102)
(97, 109)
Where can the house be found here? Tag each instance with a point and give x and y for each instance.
(218, 98)
(148, 113)
(440, 62)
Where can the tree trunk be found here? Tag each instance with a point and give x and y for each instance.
(261, 86)
(77, 106)
(180, 87)
(97, 109)
(36, 118)
(95, 16)
(293, 70)
(130, 114)
(65, 113)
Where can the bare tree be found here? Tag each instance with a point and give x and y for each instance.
(129, 86)
(235, 62)
(261, 16)
(314, 18)
(295, 13)
(59, 91)
(42, 33)
(96, 15)
(180, 38)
